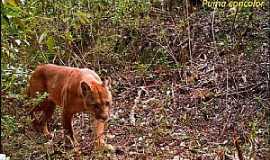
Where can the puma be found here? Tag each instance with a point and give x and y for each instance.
(75, 90)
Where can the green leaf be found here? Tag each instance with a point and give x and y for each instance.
(83, 17)
(11, 2)
(68, 37)
(50, 43)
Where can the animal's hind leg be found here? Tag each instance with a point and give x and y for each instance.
(47, 107)
(47, 116)
(36, 121)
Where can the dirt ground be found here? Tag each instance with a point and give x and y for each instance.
(199, 117)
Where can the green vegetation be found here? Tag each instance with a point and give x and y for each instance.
(204, 74)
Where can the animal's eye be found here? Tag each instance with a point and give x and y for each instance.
(96, 106)
(107, 104)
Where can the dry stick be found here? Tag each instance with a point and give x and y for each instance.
(227, 86)
(136, 101)
(173, 96)
(61, 61)
(189, 40)
(77, 58)
(226, 101)
(243, 90)
(83, 58)
(82, 52)
(252, 154)
(54, 58)
(57, 56)
(213, 32)
(267, 113)
(238, 149)
(162, 5)
(234, 19)
(81, 44)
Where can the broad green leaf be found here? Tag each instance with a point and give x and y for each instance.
(83, 17)
(11, 11)
(11, 2)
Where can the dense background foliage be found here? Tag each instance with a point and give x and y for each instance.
(188, 55)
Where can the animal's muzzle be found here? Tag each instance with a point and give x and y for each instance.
(103, 117)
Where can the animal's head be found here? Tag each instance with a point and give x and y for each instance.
(97, 98)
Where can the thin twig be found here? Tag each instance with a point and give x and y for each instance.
(227, 87)
(238, 149)
(226, 101)
(173, 96)
(213, 32)
(243, 90)
(136, 101)
(234, 19)
(189, 39)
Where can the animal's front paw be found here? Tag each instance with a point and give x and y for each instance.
(70, 142)
(49, 135)
(109, 147)
(105, 147)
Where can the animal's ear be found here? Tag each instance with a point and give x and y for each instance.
(85, 89)
(107, 82)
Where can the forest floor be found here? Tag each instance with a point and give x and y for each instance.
(207, 115)
(216, 107)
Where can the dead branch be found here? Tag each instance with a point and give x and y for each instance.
(238, 148)
(189, 39)
(136, 102)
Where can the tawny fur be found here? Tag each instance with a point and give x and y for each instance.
(73, 89)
